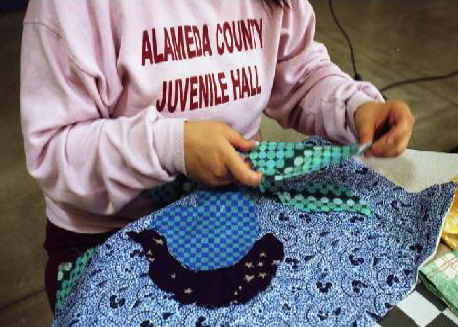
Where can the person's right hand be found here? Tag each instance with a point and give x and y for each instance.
(210, 155)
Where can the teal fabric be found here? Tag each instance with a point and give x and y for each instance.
(68, 274)
(319, 197)
(284, 160)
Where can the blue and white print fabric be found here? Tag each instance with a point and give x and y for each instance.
(339, 268)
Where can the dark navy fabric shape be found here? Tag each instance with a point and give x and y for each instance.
(340, 269)
(212, 288)
(215, 232)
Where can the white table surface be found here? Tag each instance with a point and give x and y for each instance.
(417, 170)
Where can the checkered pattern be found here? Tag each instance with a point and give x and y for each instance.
(440, 276)
(280, 161)
(215, 233)
(283, 160)
(419, 309)
(324, 198)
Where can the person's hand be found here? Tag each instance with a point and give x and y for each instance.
(210, 155)
(394, 119)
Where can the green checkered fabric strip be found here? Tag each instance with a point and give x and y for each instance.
(441, 278)
(284, 160)
(281, 161)
(67, 275)
(324, 198)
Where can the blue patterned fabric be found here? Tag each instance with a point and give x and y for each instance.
(215, 233)
(340, 268)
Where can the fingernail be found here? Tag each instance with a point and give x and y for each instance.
(390, 141)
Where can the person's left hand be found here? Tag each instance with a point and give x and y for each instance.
(373, 117)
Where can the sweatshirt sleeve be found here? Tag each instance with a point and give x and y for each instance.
(81, 157)
(310, 93)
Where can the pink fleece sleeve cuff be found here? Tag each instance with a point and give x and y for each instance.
(168, 139)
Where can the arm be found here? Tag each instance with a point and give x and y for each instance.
(80, 156)
(310, 93)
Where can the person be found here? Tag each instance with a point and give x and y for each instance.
(120, 97)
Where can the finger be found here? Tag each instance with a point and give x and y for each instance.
(367, 131)
(395, 149)
(399, 132)
(391, 140)
(240, 170)
(248, 163)
(368, 153)
(401, 121)
(238, 141)
(398, 149)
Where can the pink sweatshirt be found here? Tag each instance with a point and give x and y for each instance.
(106, 87)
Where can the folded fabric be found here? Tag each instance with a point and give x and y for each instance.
(441, 278)
(450, 230)
(323, 198)
(283, 160)
(339, 268)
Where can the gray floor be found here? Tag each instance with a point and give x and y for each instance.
(393, 40)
